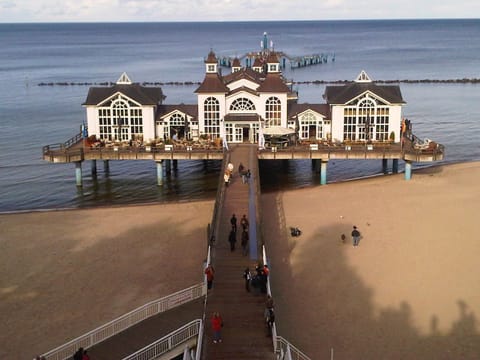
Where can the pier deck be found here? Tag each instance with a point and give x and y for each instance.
(323, 151)
(245, 335)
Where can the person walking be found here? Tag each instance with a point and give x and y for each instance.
(244, 242)
(248, 277)
(232, 239)
(226, 178)
(270, 320)
(244, 222)
(217, 324)
(210, 273)
(230, 168)
(355, 236)
(233, 222)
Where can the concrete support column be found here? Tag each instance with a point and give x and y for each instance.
(175, 164)
(159, 173)
(323, 172)
(385, 166)
(408, 170)
(168, 166)
(106, 166)
(395, 166)
(316, 165)
(94, 168)
(78, 173)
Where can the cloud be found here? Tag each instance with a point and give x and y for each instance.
(7, 4)
(229, 10)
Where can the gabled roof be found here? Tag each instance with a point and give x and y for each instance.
(274, 82)
(191, 110)
(335, 94)
(188, 109)
(244, 73)
(272, 57)
(257, 62)
(243, 88)
(212, 83)
(141, 94)
(296, 109)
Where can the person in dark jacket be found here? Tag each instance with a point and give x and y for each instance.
(232, 239)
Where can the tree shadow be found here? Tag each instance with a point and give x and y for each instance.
(323, 305)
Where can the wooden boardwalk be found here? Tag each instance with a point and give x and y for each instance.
(244, 333)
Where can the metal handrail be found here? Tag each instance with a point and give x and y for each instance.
(281, 346)
(284, 347)
(168, 342)
(127, 320)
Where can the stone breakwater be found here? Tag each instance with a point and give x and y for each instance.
(315, 82)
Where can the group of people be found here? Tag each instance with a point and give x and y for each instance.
(257, 281)
(232, 236)
(242, 171)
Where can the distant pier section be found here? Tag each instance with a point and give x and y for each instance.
(259, 58)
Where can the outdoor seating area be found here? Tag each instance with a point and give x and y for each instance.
(168, 145)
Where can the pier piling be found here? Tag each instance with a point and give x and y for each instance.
(323, 172)
(159, 173)
(78, 173)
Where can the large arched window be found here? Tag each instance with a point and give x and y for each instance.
(366, 116)
(211, 113)
(120, 119)
(176, 124)
(242, 104)
(273, 111)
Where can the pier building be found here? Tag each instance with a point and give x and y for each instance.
(244, 106)
(250, 105)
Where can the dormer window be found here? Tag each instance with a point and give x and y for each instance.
(273, 68)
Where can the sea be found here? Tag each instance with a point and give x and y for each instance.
(434, 60)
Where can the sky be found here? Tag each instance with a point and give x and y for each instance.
(231, 10)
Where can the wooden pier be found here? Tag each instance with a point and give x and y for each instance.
(75, 151)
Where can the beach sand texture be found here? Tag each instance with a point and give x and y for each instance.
(410, 290)
(64, 273)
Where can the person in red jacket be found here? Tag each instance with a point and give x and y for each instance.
(210, 273)
(217, 324)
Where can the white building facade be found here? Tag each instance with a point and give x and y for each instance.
(243, 106)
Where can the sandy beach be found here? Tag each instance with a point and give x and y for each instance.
(410, 289)
(64, 273)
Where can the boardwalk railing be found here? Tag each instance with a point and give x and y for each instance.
(169, 342)
(282, 348)
(122, 323)
(286, 351)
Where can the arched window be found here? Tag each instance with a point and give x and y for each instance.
(366, 119)
(273, 111)
(242, 104)
(211, 113)
(177, 126)
(120, 119)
